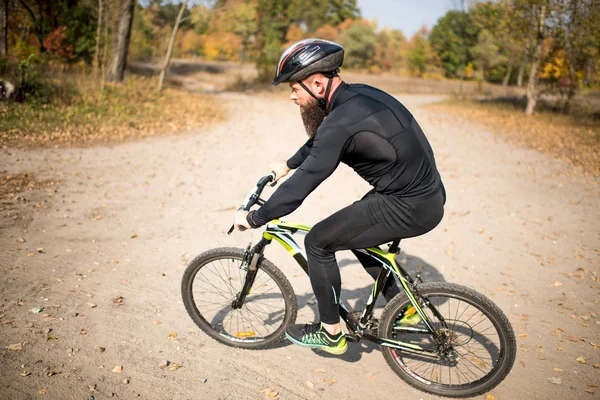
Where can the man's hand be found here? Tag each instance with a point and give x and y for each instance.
(240, 222)
(280, 168)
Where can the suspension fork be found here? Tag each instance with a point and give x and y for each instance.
(252, 257)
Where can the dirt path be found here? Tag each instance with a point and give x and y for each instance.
(127, 219)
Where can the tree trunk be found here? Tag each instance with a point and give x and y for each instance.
(121, 37)
(531, 89)
(508, 72)
(165, 67)
(3, 28)
(521, 72)
(105, 49)
(532, 92)
(98, 33)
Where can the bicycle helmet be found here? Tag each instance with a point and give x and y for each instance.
(306, 57)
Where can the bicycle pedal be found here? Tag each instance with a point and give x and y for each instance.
(352, 338)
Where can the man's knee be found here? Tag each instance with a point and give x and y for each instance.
(315, 241)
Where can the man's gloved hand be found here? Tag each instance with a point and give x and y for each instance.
(240, 222)
(280, 168)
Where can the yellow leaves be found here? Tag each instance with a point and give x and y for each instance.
(490, 397)
(558, 370)
(594, 345)
(175, 367)
(118, 369)
(321, 370)
(581, 360)
(329, 381)
(557, 283)
(14, 347)
(172, 336)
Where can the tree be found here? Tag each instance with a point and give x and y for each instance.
(167, 60)
(419, 55)
(451, 39)
(3, 28)
(359, 44)
(121, 37)
(98, 37)
(388, 54)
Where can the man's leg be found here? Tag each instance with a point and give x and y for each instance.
(369, 222)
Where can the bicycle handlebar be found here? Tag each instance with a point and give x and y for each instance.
(254, 195)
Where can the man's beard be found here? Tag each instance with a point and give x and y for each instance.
(312, 116)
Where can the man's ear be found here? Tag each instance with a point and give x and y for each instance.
(319, 84)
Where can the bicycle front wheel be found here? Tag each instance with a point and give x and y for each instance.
(213, 281)
(475, 345)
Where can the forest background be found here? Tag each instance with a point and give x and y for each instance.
(89, 71)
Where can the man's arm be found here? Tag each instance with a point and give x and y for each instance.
(322, 160)
(297, 159)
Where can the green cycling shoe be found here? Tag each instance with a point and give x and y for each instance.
(315, 336)
(409, 317)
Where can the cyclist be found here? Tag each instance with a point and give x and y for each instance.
(373, 133)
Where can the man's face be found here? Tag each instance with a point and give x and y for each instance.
(312, 115)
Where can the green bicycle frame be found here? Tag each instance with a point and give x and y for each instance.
(282, 232)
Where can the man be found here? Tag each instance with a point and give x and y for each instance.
(377, 136)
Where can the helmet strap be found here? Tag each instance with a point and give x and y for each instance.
(322, 102)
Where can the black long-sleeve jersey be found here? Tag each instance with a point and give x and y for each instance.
(373, 133)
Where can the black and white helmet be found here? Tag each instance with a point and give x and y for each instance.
(307, 57)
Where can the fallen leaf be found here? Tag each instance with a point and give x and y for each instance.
(581, 360)
(596, 346)
(83, 331)
(164, 364)
(557, 283)
(43, 392)
(273, 394)
(134, 236)
(592, 385)
(559, 349)
(40, 250)
(490, 397)
(92, 305)
(596, 365)
(522, 335)
(590, 391)
(174, 367)
(25, 373)
(118, 369)
(558, 370)
(555, 380)
(371, 377)
(14, 347)
(172, 336)
(37, 310)
(21, 240)
(125, 381)
(309, 384)
(320, 370)
(156, 322)
(329, 381)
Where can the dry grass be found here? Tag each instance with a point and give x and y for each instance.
(575, 139)
(84, 115)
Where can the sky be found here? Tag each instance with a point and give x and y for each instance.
(406, 15)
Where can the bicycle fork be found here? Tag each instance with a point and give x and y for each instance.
(252, 256)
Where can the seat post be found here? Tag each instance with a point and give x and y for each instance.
(394, 246)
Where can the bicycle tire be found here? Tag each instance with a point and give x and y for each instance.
(506, 347)
(290, 308)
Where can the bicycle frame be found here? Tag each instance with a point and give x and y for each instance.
(282, 233)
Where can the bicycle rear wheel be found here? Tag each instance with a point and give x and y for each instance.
(212, 282)
(476, 346)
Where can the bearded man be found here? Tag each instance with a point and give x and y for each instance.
(373, 133)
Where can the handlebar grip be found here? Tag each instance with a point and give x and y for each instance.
(230, 230)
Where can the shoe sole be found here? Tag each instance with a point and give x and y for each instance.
(332, 350)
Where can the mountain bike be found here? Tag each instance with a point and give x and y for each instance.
(439, 337)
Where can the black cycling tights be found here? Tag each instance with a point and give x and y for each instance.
(369, 222)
